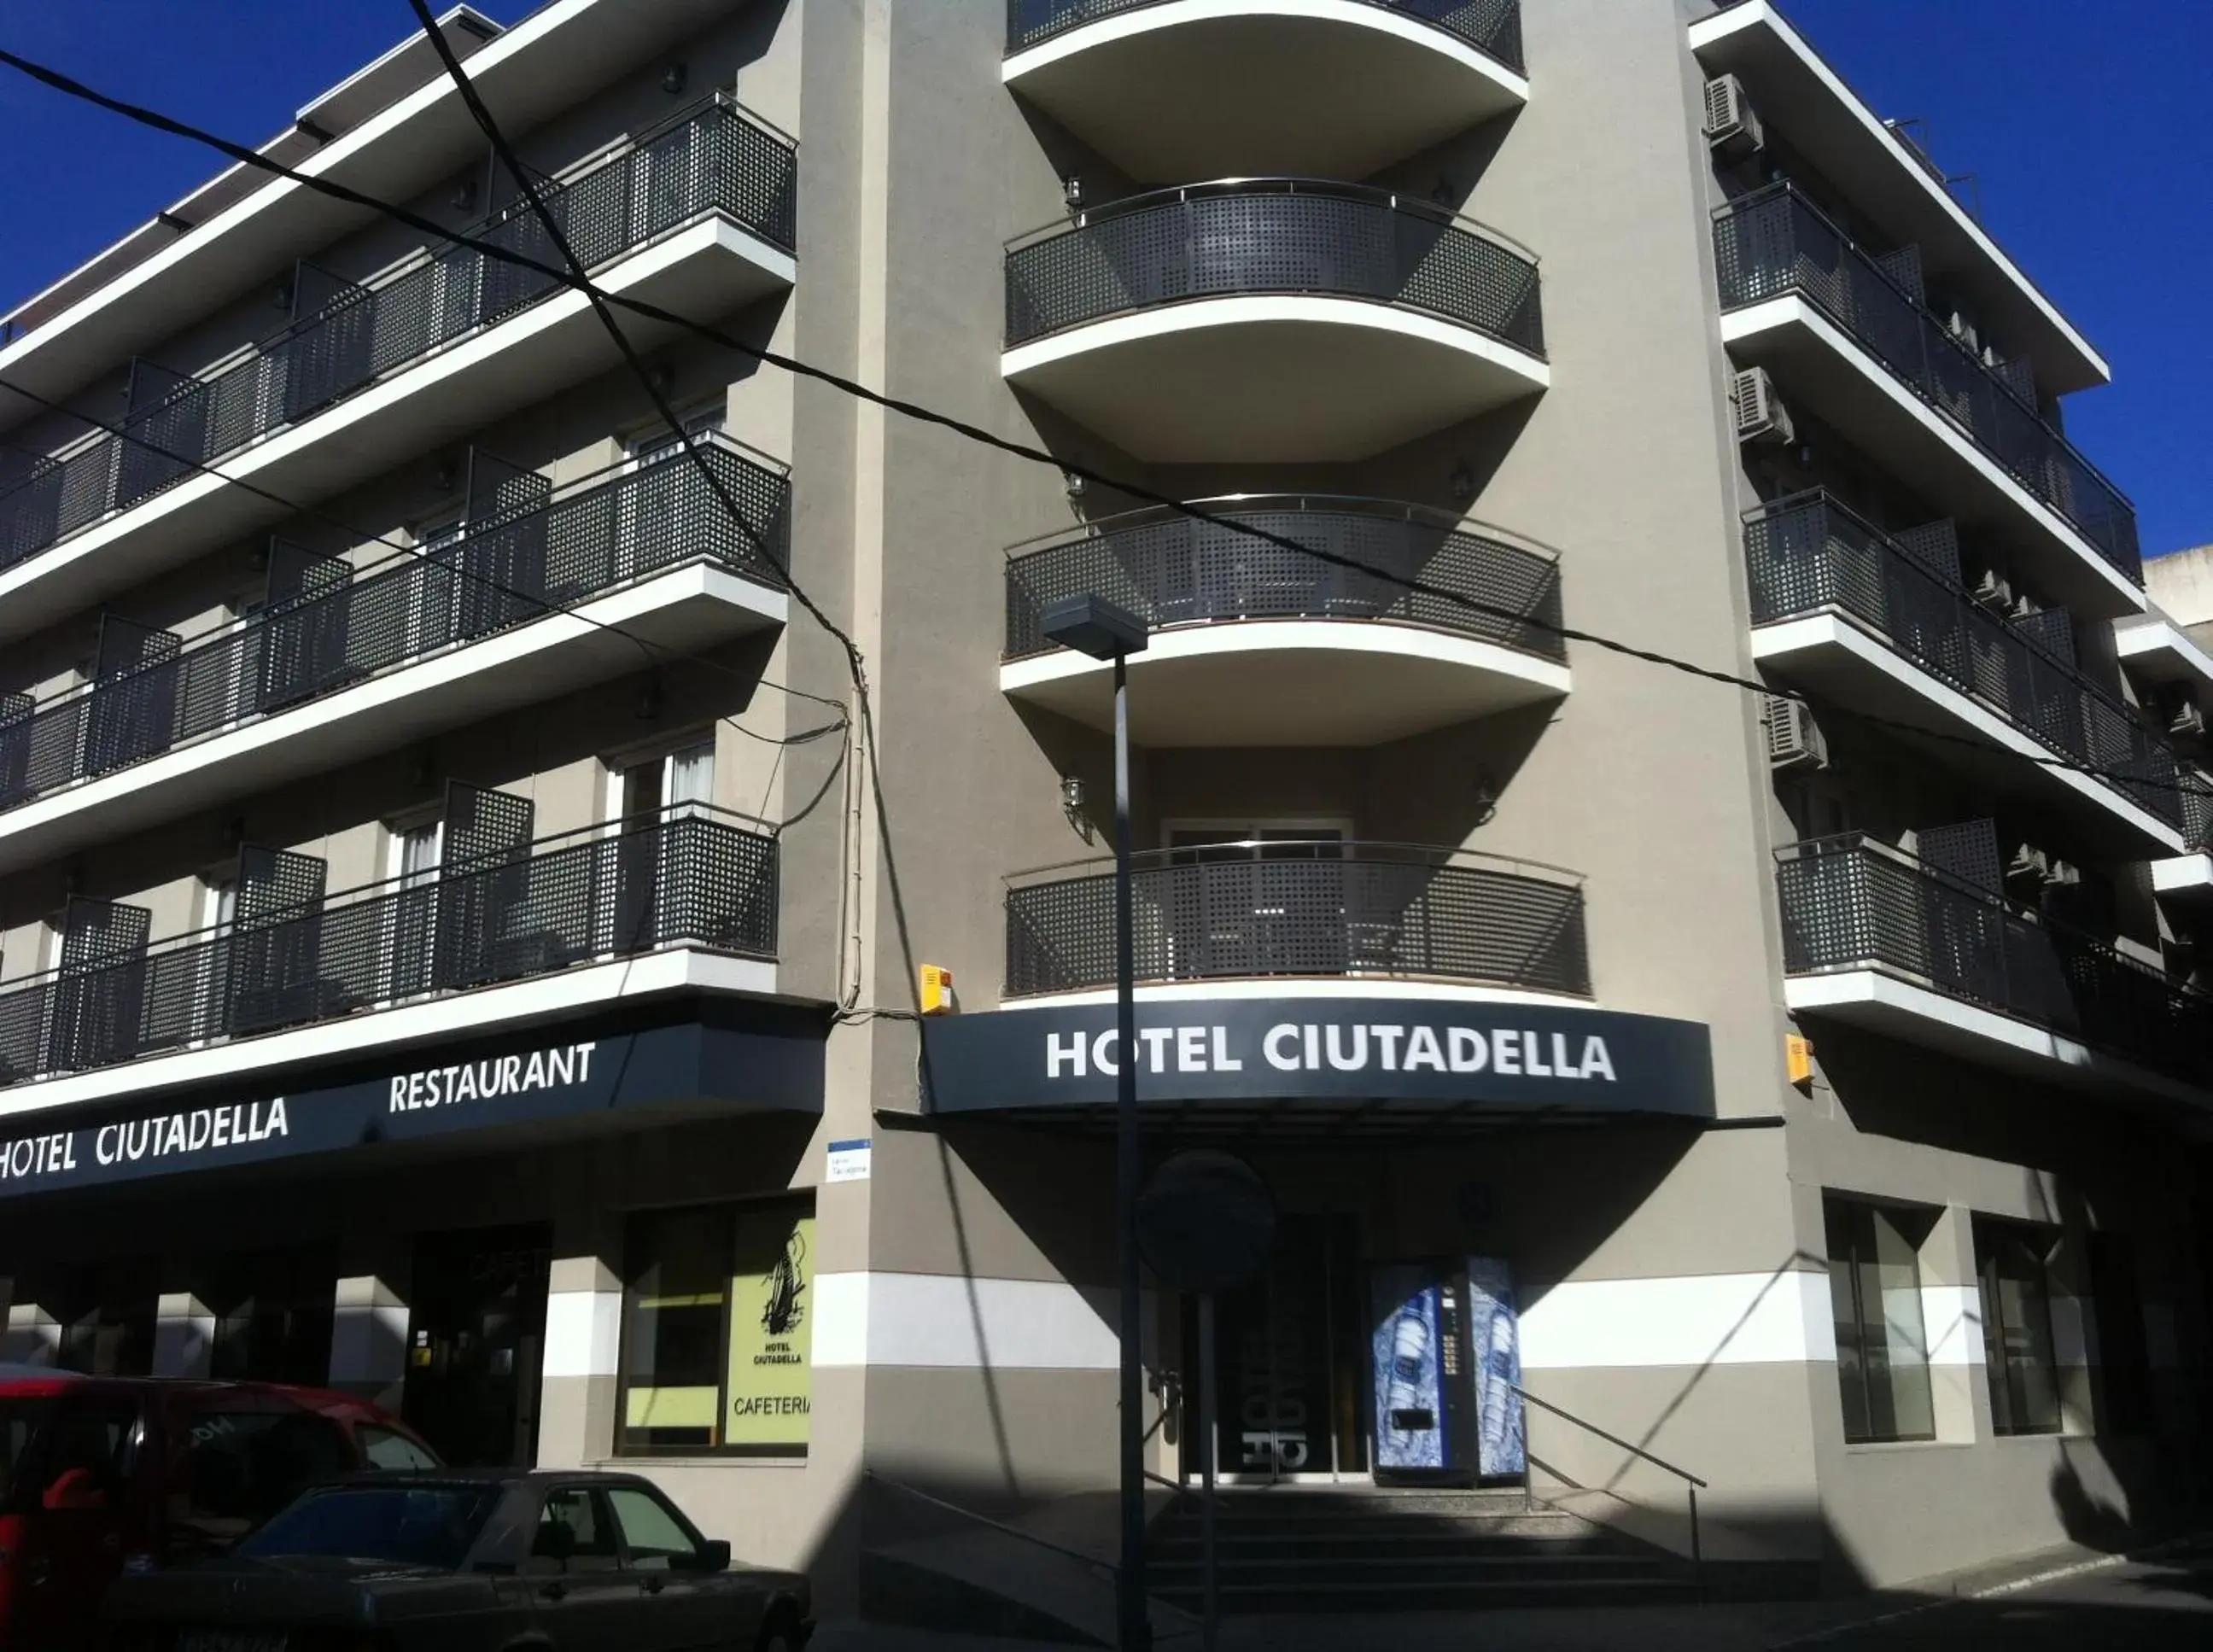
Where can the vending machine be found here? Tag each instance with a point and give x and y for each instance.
(1445, 1364)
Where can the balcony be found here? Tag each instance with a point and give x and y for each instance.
(1856, 340)
(299, 973)
(1171, 89)
(1875, 937)
(336, 667)
(1880, 626)
(698, 216)
(1270, 320)
(1255, 645)
(1354, 912)
(1805, 104)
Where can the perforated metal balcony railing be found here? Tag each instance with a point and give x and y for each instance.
(324, 631)
(1173, 569)
(1321, 908)
(1808, 553)
(294, 956)
(1270, 236)
(1492, 26)
(1851, 903)
(1775, 242)
(713, 158)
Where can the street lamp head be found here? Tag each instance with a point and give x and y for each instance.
(1091, 624)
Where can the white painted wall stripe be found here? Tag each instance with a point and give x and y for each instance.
(1952, 1317)
(1726, 1319)
(945, 1322)
(584, 1333)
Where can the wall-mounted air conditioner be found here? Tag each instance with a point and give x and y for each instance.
(1794, 739)
(1732, 126)
(1761, 418)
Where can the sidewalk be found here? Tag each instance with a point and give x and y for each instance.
(1766, 1626)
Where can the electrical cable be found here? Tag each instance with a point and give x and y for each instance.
(70, 87)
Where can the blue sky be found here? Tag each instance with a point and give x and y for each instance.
(2085, 125)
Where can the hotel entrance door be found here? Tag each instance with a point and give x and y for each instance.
(1291, 1358)
(475, 1340)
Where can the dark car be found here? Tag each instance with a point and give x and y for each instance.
(104, 1475)
(468, 1561)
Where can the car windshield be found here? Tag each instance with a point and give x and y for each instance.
(415, 1525)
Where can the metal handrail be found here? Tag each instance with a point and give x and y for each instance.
(1693, 1484)
(1015, 1532)
(1502, 43)
(1274, 184)
(1433, 854)
(1352, 503)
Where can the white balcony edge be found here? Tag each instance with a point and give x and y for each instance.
(431, 675)
(1350, 14)
(1318, 637)
(2134, 639)
(1791, 310)
(423, 374)
(1965, 1029)
(2183, 875)
(486, 1009)
(1789, 637)
(527, 32)
(1759, 13)
(1306, 987)
(1190, 315)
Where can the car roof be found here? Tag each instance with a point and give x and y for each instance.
(480, 1476)
(43, 1380)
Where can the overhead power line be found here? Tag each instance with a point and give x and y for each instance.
(73, 88)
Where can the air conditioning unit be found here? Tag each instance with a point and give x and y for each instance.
(1733, 127)
(1994, 591)
(1761, 416)
(1794, 739)
(2022, 607)
(2062, 874)
(2030, 865)
(2185, 716)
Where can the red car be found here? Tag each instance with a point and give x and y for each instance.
(104, 1475)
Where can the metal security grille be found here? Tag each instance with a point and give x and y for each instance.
(1337, 909)
(325, 630)
(1492, 25)
(1775, 242)
(1808, 553)
(1172, 570)
(1852, 903)
(306, 957)
(713, 158)
(1270, 236)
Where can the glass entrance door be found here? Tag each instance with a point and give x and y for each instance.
(475, 1340)
(1290, 1360)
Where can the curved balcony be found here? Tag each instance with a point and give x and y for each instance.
(698, 215)
(336, 667)
(1199, 89)
(386, 959)
(1876, 937)
(1253, 644)
(1270, 320)
(1347, 910)
(1880, 624)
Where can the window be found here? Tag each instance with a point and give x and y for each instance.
(574, 1533)
(416, 850)
(274, 1313)
(652, 1534)
(44, 1441)
(231, 1470)
(1883, 1346)
(2012, 1262)
(387, 1449)
(414, 1525)
(718, 1329)
(642, 790)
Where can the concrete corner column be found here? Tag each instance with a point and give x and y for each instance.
(184, 1335)
(576, 1417)
(34, 1336)
(368, 1338)
(1952, 1318)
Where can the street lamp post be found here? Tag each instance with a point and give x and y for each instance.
(1103, 629)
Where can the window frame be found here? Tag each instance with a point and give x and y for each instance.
(1989, 1234)
(800, 1202)
(1834, 1203)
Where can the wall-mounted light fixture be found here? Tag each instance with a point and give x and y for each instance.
(1462, 482)
(1072, 190)
(1071, 805)
(1073, 483)
(675, 79)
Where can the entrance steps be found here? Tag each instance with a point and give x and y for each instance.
(1309, 1549)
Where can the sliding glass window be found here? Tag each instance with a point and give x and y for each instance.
(1882, 1344)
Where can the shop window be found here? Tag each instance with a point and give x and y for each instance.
(2013, 1263)
(718, 1309)
(2123, 1349)
(1882, 1344)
